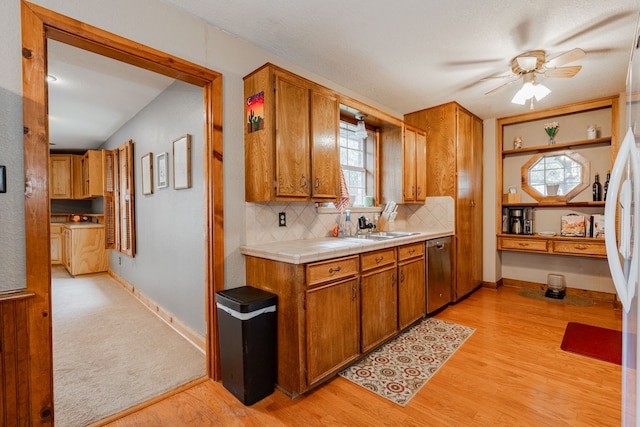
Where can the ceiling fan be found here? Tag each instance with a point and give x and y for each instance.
(533, 63)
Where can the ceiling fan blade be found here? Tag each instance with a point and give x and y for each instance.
(563, 72)
(501, 86)
(565, 58)
(505, 76)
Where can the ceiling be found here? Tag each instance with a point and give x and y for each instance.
(406, 55)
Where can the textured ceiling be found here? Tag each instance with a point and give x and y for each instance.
(412, 54)
(405, 55)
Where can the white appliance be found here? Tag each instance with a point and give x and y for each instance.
(623, 203)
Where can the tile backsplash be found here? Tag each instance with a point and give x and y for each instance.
(304, 222)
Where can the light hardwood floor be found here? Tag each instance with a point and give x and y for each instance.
(510, 372)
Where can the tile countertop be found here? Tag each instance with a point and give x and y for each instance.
(82, 224)
(310, 250)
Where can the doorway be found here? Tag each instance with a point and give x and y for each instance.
(38, 25)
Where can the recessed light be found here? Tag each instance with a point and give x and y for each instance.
(51, 78)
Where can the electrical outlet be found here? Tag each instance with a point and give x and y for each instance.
(119, 260)
(282, 219)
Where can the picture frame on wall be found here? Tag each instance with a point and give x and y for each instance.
(163, 170)
(182, 162)
(147, 173)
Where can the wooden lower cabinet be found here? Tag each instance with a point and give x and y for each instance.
(331, 344)
(411, 284)
(56, 243)
(83, 249)
(330, 313)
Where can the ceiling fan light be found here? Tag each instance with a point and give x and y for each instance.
(540, 91)
(525, 93)
(527, 63)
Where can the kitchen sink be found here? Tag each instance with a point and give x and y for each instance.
(385, 235)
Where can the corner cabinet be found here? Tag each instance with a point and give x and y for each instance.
(291, 138)
(454, 167)
(600, 152)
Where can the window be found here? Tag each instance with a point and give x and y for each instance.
(356, 159)
(560, 175)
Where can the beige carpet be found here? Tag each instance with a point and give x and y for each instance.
(110, 352)
(399, 369)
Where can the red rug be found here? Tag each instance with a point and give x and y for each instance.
(593, 341)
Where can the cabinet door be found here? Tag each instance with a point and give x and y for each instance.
(56, 244)
(325, 154)
(477, 206)
(411, 292)
(292, 139)
(60, 176)
(409, 166)
(467, 246)
(332, 317)
(379, 301)
(92, 174)
(421, 166)
(66, 249)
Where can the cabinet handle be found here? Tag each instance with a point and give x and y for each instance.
(411, 251)
(401, 276)
(524, 245)
(334, 270)
(379, 259)
(354, 294)
(473, 203)
(317, 183)
(580, 247)
(303, 181)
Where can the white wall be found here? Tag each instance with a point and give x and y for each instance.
(167, 29)
(169, 265)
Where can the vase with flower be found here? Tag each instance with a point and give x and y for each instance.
(551, 129)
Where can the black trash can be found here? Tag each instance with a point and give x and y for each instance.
(247, 329)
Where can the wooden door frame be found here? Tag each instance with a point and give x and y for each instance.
(38, 25)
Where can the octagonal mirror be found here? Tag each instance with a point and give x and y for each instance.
(555, 177)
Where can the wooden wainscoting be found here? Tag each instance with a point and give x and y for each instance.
(14, 359)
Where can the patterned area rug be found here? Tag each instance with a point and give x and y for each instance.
(399, 369)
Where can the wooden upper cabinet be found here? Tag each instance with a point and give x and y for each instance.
(291, 138)
(414, 165)
(325, 152)
(61, 176)
(91, 174)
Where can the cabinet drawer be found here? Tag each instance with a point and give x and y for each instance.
(333, 269)
(410, 251)
(580, 248)
(378, 258)
(516, 244)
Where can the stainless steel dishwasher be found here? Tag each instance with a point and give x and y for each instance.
(438, 273)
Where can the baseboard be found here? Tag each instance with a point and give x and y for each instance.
(195, 338)
(492, 285)
(595, 295)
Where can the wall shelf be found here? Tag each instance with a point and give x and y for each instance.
(567, 205)
(574, 118)
(557, 147)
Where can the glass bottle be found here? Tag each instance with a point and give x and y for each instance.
(597, 189)
(606, 186)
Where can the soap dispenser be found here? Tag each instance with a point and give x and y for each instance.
(347, 224)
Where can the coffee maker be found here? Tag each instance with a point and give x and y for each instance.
(528, 221)
(515, 221)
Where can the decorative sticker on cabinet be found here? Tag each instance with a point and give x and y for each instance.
(255, 112)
